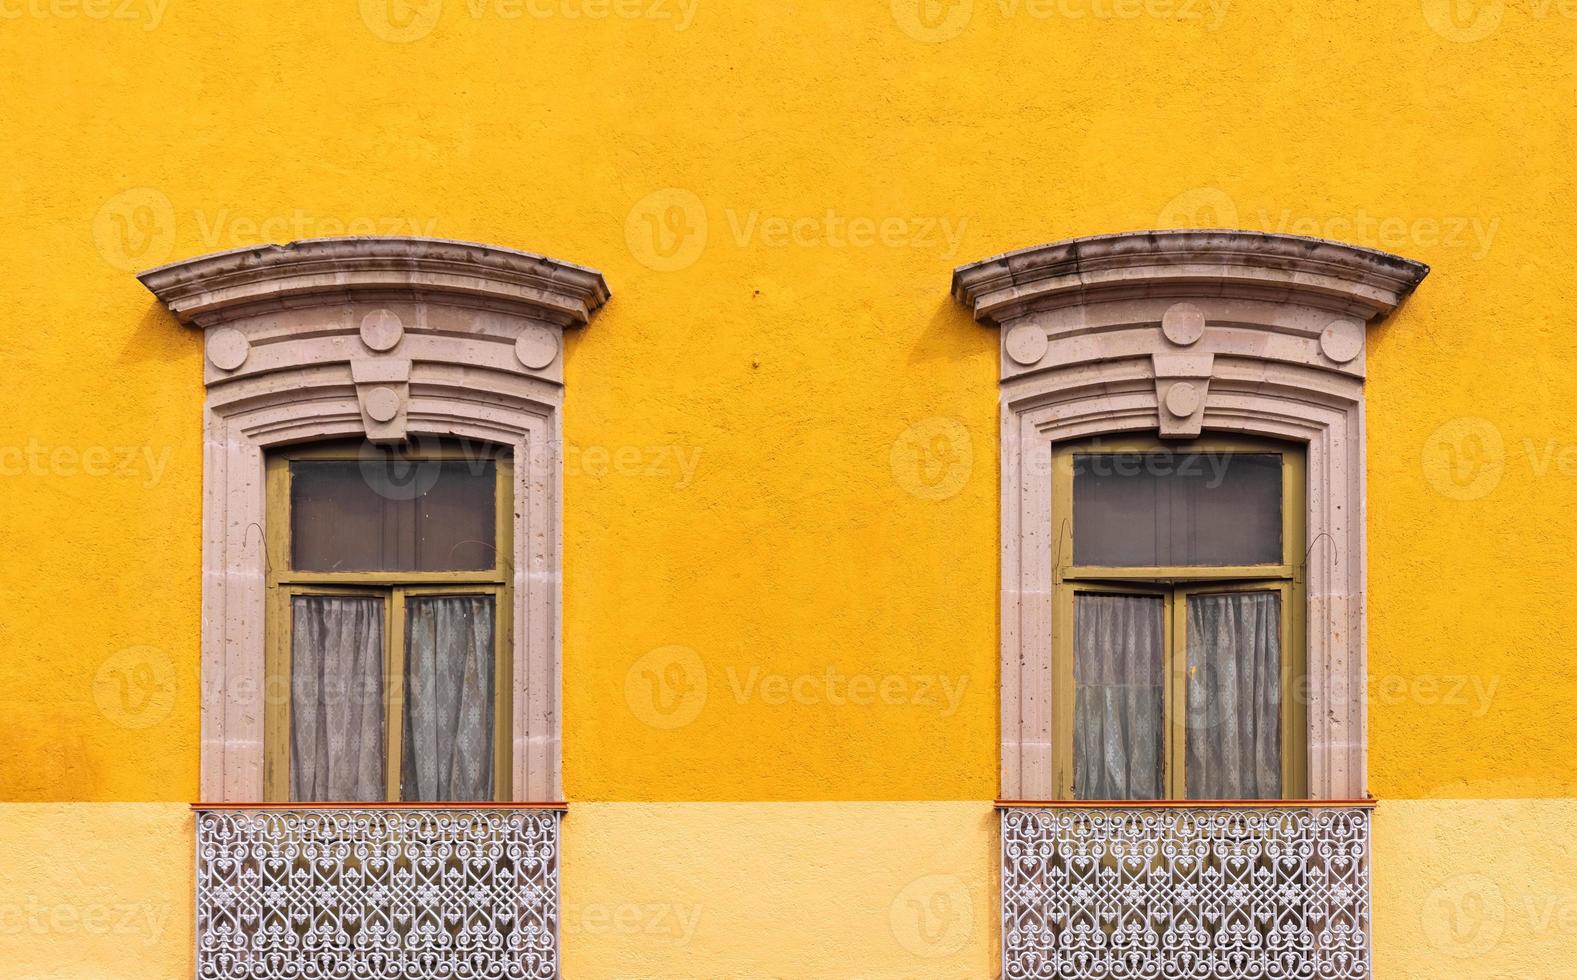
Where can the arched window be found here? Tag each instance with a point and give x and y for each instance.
(1183, 770)
(400, 352)
(388, 622)
(380, 649)
(1177, 654)
(1173, 335)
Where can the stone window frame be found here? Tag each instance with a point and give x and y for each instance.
(1176, 333)
(386, 339)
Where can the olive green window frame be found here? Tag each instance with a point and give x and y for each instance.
(1174, 584)
(284, 583)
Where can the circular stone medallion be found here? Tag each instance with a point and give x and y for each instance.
(1026, 345)
(381, 330)
(383, 404)
(228, 348)
(536, 347)
(1182, 399)
(1183, 324)
(1342, 340)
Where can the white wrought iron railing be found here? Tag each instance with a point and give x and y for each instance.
(1126, 890)
(289, 892)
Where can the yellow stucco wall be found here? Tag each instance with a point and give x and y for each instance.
(1465, 889)
(780, 490)
(774, 387)
(95, 890)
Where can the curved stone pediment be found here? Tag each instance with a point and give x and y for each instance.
(1177, 333)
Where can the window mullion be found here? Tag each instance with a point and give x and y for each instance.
(1294, 747)
(1063, 695)
(503, 700)
(1177, 693)
(394, 696)
(277, 674)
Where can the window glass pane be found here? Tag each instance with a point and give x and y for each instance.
(336, 699)
(384, 513)
(1118, 685)
(1204, 508)
(448, 740)
(1234, 696)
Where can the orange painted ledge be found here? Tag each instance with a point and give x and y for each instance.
(488, 805)
(1369, 804)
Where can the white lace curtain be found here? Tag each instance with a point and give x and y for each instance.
(336, 699)
(1232, 726)
(1118, 686)
(1234, 696)
(448, 743)
(338, 741)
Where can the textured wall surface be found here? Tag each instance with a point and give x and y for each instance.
(1465, 889)
(780, 491)
(1479, 889)
(95, 890)
(878, 891)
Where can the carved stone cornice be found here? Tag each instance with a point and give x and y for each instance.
(382, 320)
(323, 271)
(1186, 311)
(1233, 264)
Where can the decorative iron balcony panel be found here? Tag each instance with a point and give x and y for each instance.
(351, 893)
(1131, 892)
